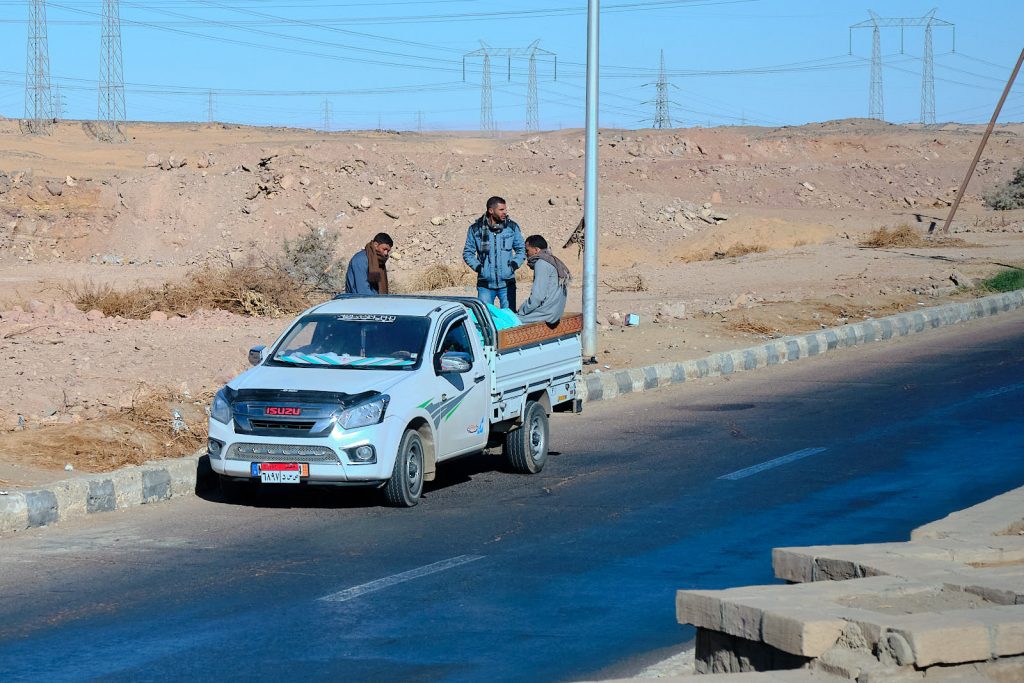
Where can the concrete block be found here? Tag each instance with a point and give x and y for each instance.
(13, 513)
(793, 564)
(101, 497)
(742, 620)
(834, 569)
(127, 486)
(72, 497)
(800, 632)
(42, 507)
(156, 485)
(703, 609)
(946, 639)
(183, 475)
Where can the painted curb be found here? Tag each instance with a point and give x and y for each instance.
(608, 385)
(174, 478)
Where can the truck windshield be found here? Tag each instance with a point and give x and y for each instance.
(377, 342)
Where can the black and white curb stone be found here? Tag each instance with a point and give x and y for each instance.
(164, 479)
(123, 488)
(607, 385)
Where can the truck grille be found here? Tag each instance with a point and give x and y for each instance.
(270, 452)
(283, 425)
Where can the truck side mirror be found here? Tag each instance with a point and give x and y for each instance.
(454, 361)
(256, 354)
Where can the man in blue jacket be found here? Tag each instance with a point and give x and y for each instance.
(368, 268)
(495, 250)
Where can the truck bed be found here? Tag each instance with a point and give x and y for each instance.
(532, 333)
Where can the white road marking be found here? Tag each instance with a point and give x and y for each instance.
(769, 464)
(387, 581)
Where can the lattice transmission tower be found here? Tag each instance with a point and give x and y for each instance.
(327, 116)
(110, 113)
(662, 118)
(876, 23)
(38, 99)
(530, 52)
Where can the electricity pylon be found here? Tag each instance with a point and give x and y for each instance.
(110, 116)
(876, 97)
(876, 23)
(662, 119)
(327, 116)
(209, 106)
(928, 78)
(530, 52)
(38, 100)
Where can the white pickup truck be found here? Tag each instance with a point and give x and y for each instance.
(376, 391)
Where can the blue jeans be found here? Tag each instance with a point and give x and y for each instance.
(486, 294)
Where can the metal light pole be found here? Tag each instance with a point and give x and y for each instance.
(590, 227)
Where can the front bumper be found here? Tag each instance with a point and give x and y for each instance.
(336, 468)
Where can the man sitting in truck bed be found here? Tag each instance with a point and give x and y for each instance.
(550, 284)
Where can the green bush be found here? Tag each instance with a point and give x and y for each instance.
(311, 262)
(1006, 281)
(1008, 196)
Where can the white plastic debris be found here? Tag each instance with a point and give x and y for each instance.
(69, 468)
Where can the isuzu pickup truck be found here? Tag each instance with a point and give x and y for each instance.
(377, 390)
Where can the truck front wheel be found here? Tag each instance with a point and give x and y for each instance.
(526, 446)
(406, 483)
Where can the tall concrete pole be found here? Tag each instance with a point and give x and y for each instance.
(590, 227)
(981, 145)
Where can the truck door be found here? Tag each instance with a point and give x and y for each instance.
(462, 400)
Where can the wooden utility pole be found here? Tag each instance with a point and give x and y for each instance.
(981, 147)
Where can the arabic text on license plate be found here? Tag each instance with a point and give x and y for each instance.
(281, 472)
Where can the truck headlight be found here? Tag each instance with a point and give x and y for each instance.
(365, 414)
(221, 409)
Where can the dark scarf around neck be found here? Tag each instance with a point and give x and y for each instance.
(377, 269)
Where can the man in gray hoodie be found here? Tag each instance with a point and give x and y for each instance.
(550, 284)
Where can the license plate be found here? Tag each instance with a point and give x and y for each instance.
(280, 472)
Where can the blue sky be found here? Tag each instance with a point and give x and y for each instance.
(399, 63)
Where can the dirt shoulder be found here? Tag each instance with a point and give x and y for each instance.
(716, 239)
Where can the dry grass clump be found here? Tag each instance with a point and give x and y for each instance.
(159, 423)
(905, 236)
(246, 290)
(736, 250)
(630, 283)
(752, 327)
(439, 276)
(304, 271)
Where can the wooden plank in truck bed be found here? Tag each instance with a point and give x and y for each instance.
(531, 333)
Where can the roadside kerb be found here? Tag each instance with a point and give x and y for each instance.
(602, 386)
(172, 478)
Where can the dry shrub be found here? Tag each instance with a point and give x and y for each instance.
(752, 327)
(1009, 195)
(310, 261)
(630, 283)
(146, 430)
(246, 290)
(736, 250)
(439, 276)
(905, 236)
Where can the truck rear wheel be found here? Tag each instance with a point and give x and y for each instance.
(406, 483)
(526, 446)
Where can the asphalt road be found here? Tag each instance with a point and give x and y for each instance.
(501, 577)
